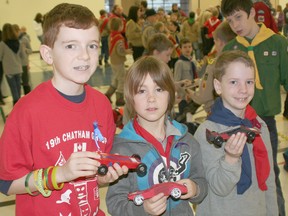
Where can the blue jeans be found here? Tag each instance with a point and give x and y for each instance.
(104, 49)
(14, 82)
(271, 124)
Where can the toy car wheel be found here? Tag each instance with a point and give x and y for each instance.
(136, 156)
(250, 136)
(138, 200)
(218, 141)
(176, 193)
(141, 170)
(102, 170)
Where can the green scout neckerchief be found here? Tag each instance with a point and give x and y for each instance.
(263, 34)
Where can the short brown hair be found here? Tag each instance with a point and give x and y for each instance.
(160, 74)
(115, 23)
(159, 42)
(184, 41)
(69, 15)
(224, 32)
(228, 57)
(9, 32)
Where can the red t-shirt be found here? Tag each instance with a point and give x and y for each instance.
(43, 130)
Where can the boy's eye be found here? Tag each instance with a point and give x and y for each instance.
(70, 46)
(250, 82)
(93, 46)
(141, 91)
(159, 89)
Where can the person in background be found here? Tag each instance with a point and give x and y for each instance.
(48, 152)
(143, 7)
(117, 11)
(170, 153)
(205, 94)
(181, 15)
(162, 17)
(24, 39)
(190, 30)
(270, 56)
(285, 29)
(118, 49)
(148, 28)
(240, 175)
(160, 47)
(175, 36)
(104, 33)
(264, 14)
(203, 17)
(279, 18)
(134, 32)
(185, 69)
(209, 26)
(37, 23)
(160, 28)
(11, 52)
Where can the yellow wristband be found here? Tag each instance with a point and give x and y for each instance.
(54, 183)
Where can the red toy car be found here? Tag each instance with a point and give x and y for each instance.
(217, 138)
(172, 189)
(133, 163)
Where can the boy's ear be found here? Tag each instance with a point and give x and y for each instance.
(45, 52)
(155, 52)
(217, 86)
(252, 12)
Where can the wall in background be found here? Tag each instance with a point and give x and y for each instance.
(22, 12)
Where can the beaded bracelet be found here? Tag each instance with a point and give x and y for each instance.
(54, 182)
(39, 184)
(27, 185)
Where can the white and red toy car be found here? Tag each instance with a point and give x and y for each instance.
(172, 189)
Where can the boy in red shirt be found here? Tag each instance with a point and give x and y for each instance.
(49, 145)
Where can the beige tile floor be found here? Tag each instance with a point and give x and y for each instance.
(40, 72)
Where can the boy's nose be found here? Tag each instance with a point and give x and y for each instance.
(243, 87)
(84, 54)
(234, 25)
(151, 98)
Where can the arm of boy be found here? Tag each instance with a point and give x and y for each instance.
(84, 164)
(79, 164)
(155, 205)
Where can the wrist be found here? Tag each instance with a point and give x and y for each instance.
(231, 158)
